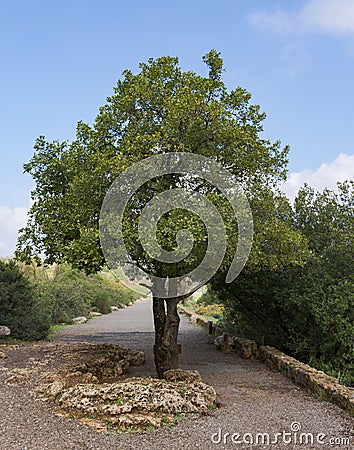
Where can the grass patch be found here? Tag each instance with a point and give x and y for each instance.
(55, 328)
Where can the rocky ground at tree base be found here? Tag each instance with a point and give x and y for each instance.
(85, 381)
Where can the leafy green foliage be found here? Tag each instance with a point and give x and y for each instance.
(33, 298)
(306, 311)
(70, 293)
(20, 307)
(327, 220)
(277, 243)
(160, 109)
(210, 297)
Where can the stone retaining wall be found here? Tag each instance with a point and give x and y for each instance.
(323, 386)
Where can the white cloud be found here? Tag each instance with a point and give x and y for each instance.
(326, 176)
(335, 16)
(278, 20)
(324, 16)
(11, 219)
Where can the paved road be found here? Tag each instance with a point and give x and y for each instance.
(253, 398)
(133, 327)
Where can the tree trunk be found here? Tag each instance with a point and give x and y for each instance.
(166, 321)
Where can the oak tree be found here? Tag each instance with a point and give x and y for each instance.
(158, 110)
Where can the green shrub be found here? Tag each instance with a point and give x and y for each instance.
(209, 298)
(21, 308)
(300, 311)
(70, 293)
(213, 310)
(306, 311)
(101, 301)
(64, 299)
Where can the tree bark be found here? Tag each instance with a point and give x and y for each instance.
(166, 322)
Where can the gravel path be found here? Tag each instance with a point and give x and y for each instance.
(252, 399)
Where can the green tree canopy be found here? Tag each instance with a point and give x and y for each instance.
(158, 110)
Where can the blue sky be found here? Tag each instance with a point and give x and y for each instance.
(60, 60)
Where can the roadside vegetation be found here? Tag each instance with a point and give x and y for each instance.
(306, 311)
(36, 300)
